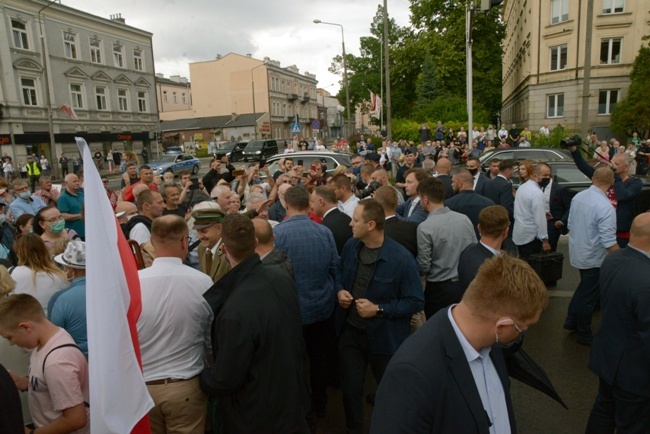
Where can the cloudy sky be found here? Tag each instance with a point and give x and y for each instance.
(187, 31)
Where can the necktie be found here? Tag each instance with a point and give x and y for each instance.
(208, 261)
(411, 209)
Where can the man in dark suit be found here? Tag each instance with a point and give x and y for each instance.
(430, 385)
(411, 210)
(479, 180)
(404, 233)
(557, 202)
(499, 189)
(324, 204)
(467, 201)
(493, 226)
(444, 175)
(620, 353)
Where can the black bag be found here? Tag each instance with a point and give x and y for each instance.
(548, 266)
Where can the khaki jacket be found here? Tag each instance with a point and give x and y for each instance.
(219, 264)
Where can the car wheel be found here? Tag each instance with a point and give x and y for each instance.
(195, 169)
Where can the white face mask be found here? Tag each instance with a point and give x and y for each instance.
(3, 218)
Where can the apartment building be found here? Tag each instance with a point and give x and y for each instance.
(174, 96)
(544, 59)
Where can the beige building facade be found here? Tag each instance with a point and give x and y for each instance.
(174, 96)
(544, 53)
(237, 84)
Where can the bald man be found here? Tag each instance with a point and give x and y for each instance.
(443, 167)
(621, 348)
(381, 176)
(269, 255)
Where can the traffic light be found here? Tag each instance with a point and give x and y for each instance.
(486, 5)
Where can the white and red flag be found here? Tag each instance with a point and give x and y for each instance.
(375, 105)
(119, 400)
(68, 110)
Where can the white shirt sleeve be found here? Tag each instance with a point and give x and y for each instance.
(140, 233)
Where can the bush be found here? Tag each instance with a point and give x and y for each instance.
(553, 140)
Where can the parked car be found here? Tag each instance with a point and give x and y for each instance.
(232, 150)
(304, 158)
(174, 163)
(257, 150)
(174, 150)
(521, 154)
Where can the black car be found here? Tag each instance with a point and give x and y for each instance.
(521, 154)
(232, 150)
(257, 150)
(304, 158)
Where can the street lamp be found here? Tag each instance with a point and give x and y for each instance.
(48, 97)
(345, 71)
(253, 88)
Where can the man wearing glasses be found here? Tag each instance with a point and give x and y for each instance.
(24, 202)
(451, 376)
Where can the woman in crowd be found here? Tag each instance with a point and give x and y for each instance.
(45, 165)
(24, 224)
(49, 224)
(603, 153)
(36, 274)
(525, 171)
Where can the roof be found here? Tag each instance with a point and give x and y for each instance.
(163, 80)
(245, 120)
(211, 122)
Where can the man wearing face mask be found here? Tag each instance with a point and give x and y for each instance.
(450, 376)
(592, 235)
(530, 232)
(24, 202)
(479, 180)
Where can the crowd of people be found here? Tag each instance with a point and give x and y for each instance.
(262, 291)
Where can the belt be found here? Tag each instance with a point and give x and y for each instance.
(452, 280)
(166, 381)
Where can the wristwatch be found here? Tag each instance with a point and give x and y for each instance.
(380, 311)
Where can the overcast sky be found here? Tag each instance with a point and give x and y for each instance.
(186, 31)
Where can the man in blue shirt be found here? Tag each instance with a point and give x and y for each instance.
(312, 251)
(24, 202)
(71, 205)
(67, 308)
(592, 235)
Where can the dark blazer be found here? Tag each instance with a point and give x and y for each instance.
(258, 372)
(404, 233)
(620, 353)
(471, 204)
(277, 212)
(559, 204)
(481, 183)
(446, 179)
(418, 216)
(470, 261)
(428, 386)
(499, 191)
(339, 223)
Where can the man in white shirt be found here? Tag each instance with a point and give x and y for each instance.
(174, 331)
(544, 131)
(342, 187)
(530, 232)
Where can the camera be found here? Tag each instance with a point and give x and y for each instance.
(571, 141)
(370, 189)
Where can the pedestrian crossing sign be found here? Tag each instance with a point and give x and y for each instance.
(295, 128)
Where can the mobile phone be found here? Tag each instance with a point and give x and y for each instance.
(238, 172)
(300, 162)
(262, 163)
(313, 168)
(195, 184)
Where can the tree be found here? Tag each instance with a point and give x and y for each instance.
(427, 89)
(632, 114)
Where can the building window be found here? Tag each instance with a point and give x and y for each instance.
(558, 58)
(607, 100)
(70, 45)
(28, 86)
(555, 106)
(613, 6)
(76, 96)
(559, 11)
(123, 100)
(19, 32)
(183, 98)
(100, 97)
(174, 98)
(96, 51)
(137, 60)
(142, 101)
(118, 56)
(610, 51)
(165, 96)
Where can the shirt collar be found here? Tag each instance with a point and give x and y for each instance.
(168, 260)
(470, 353)
(494, 251)
(329, 211)
(215, 249)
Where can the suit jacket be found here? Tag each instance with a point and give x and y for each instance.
(446, 179)
(277, 212)
(559, 204)
(470, 261)
(481, 183)
(428, 386)
(499, 191)
(418, 216)
(219, 264)
(258, 370)
(339, 223)
(471, 204)
(404, 233)
(620, 353)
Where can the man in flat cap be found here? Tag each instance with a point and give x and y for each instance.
(207, 223)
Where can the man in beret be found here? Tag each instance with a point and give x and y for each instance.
(207, 223)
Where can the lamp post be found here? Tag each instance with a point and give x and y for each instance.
(253, 88)
(48, 97)
(345, 72)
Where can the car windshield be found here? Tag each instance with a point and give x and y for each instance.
(227, 146)
(166, 159)
(569, 174)
(254, 144)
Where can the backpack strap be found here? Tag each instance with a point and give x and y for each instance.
(87, 405)
(193, 246)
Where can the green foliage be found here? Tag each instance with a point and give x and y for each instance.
(406, 129)
(553, 140)
(632, 114)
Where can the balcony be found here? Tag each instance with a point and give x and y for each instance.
(305, 98)
(292, 97)
(291, 119)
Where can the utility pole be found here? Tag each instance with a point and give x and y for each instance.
(469, 9)
(389, 127)
(586, 79)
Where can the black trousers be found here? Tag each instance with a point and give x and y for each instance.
(320, 342)
(439, 295)
(528, 249)
(354, 357)
(616, 408)
(553, 235)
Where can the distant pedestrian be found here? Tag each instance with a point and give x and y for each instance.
(63, 161)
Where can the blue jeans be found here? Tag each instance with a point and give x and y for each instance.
(583, 303)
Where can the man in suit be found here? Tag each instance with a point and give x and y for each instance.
(404, 233)
(467, 201)
(450, 376)
(499, 189)
(278, 211)
(479, 180)
(411, 210)
(557, 203)
(493, 227)
(443, 167)
(324, 204)
(207, 223)
(620, 354)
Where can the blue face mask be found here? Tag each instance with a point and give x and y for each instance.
(2, 218)
(25, 195)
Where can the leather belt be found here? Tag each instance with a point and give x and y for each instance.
(166, 381)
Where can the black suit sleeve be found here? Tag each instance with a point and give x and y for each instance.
(210, 180)
(565, 199)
